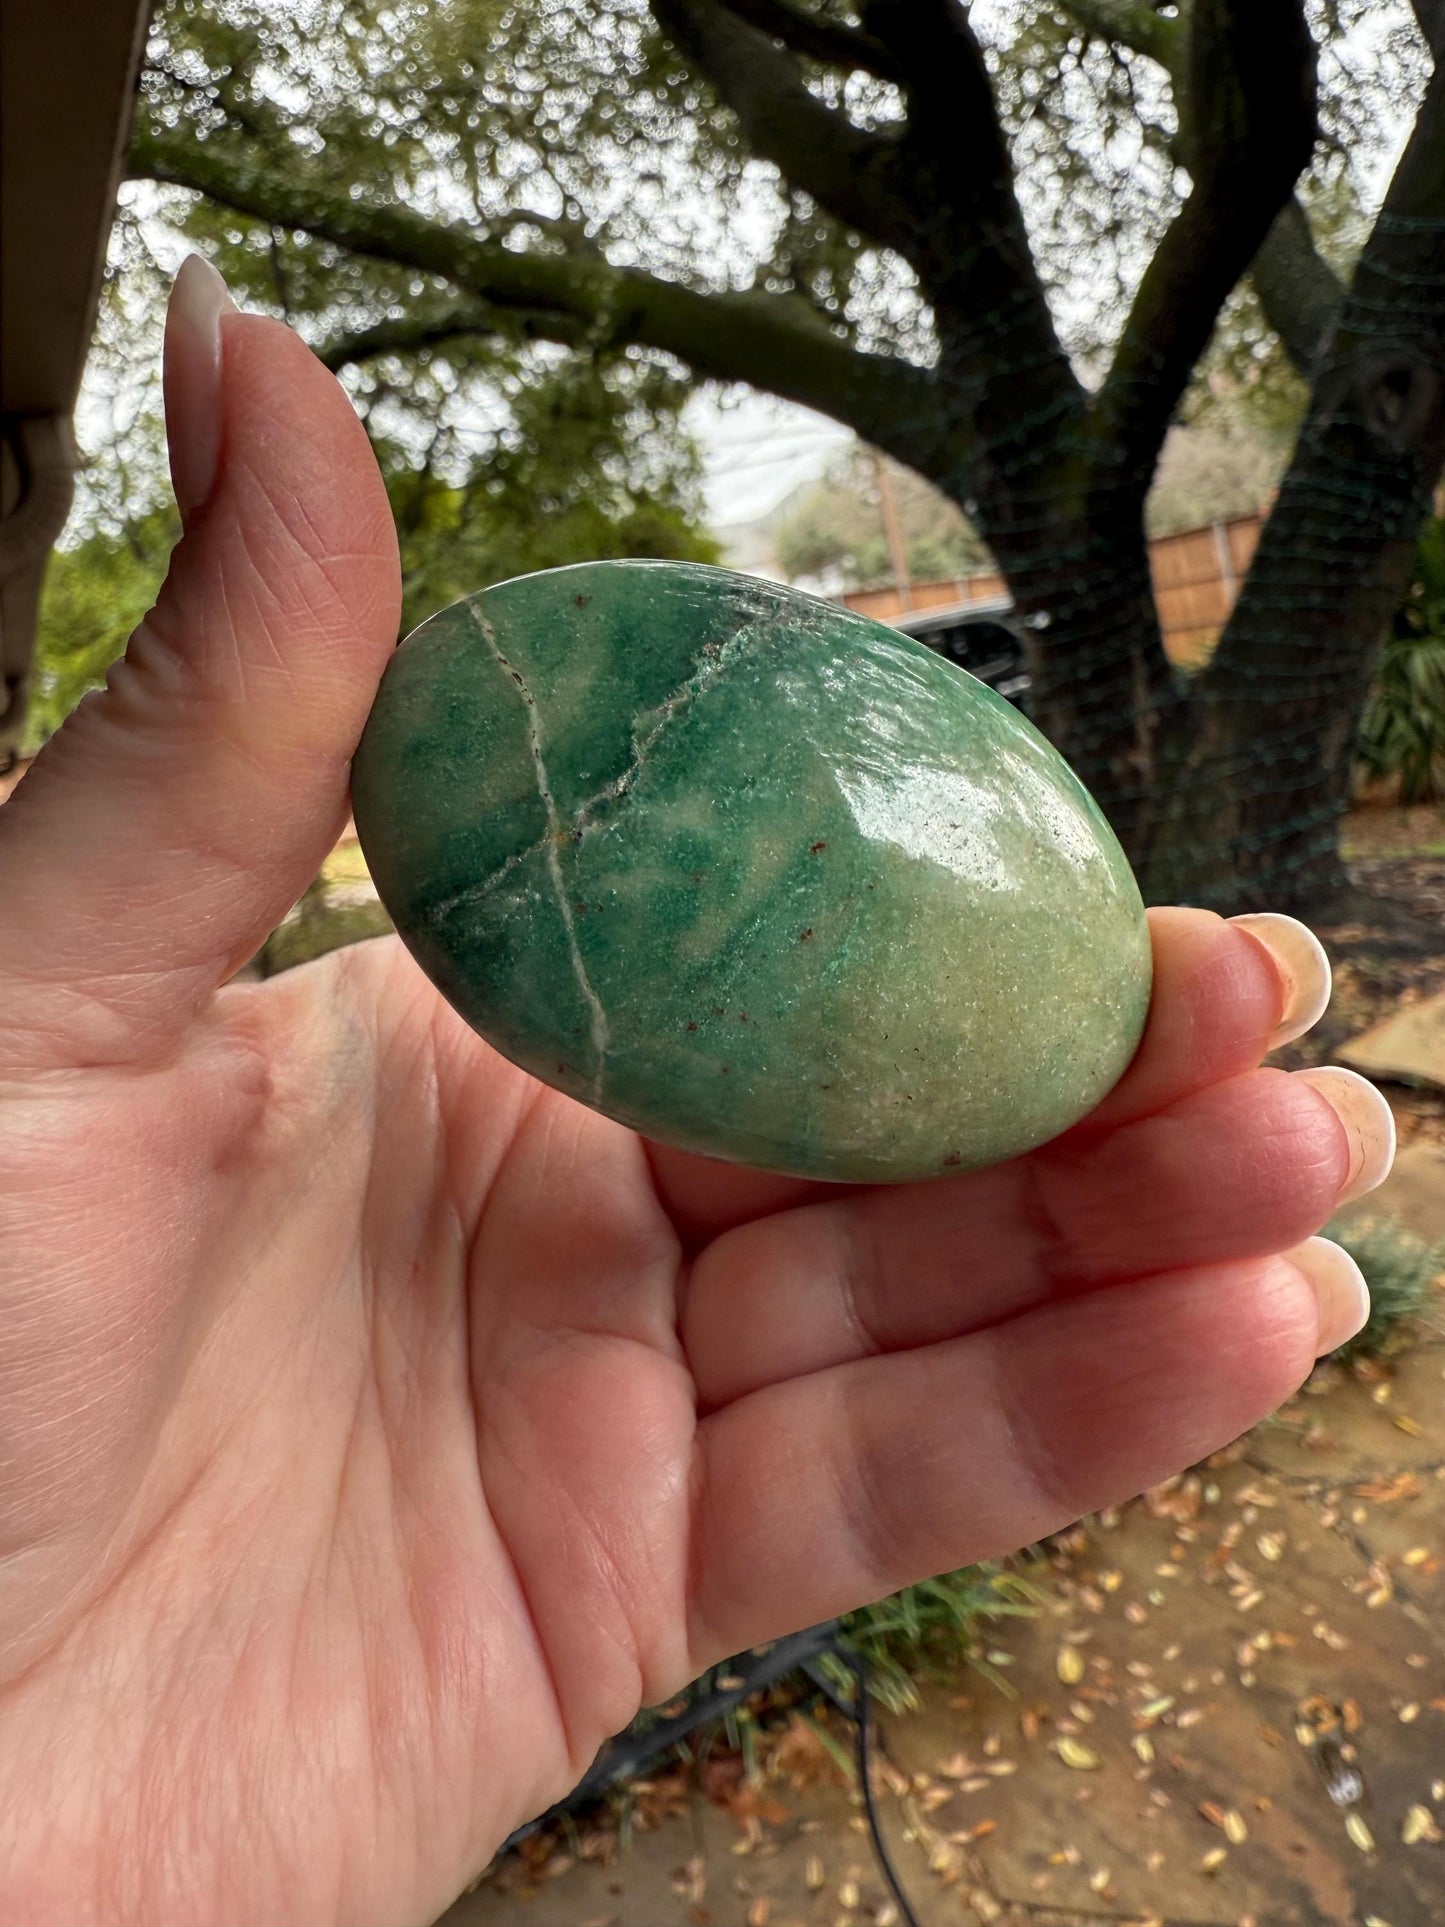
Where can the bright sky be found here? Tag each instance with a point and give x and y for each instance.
(757, 450)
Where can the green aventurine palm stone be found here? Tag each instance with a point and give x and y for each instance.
(750, 873)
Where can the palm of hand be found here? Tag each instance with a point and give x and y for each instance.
(381, 1430)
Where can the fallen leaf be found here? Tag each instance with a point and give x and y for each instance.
(1404, 1485)
(1235, 1830)
(1409, 1713)
(1069, 1664)
(1214, 1860)
(1420, 1825)
(760, 1911)
(1099, 1881)
(1075, 1754)
(1411, 1427)
(813, 1874)
(1357, 1830)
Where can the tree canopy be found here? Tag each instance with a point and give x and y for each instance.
(994, 240)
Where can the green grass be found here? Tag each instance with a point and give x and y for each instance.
(319, 926)
(346, 864)
(1399, 1268)
(1353, 850)
(935, 1627)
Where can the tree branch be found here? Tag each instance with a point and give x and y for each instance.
(1430, 19)
(1134, 24)
(1376, 417)
(938, 191)
(847, 170)
(411, 333)
(808, 33)
(1298, 290)
(773, 342)
(1247, 122)
(955, 156)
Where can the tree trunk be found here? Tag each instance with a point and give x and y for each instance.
(1249, 814)
(1101, 688)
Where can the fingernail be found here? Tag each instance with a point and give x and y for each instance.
(193, 381)
(1340, 1290)
(1300, 959)
(1369, 1124)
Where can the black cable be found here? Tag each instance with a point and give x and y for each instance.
(803, 1652)
(862, 1717)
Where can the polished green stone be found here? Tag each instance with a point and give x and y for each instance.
(751, 873)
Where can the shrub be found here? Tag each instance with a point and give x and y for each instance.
(1399, 1268)
(1402, 730)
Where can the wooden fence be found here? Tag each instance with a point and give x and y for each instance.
(1196, 574)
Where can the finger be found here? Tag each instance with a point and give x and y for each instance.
(1240, 1170)
(819, 1494)
(705, 1197)
(1225, 993)
(181, 810)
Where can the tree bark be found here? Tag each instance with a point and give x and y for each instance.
(1262, 768)
(1101, 688)
(1226, 788)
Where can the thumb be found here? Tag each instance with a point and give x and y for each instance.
(182, 809)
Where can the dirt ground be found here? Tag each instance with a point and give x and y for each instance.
(1229, 1712)
(1387, 947)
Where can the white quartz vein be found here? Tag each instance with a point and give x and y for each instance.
(556, 836)
(716, 657)
(645, 735)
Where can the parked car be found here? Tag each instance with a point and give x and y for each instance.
(981, 637)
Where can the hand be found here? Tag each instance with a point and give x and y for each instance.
(378, 1430)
